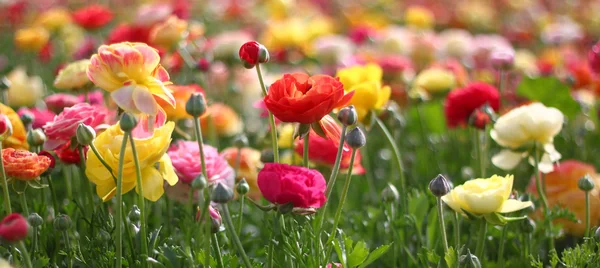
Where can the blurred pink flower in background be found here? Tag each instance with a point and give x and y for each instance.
(59, 101)
(63, 127)
(185, 156)
(40, 116)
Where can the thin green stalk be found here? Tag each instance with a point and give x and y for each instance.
(24, 254)
(191, 200)
(95, 150)
(119, 196)
(204, 213)
(53, 195)
(141, 202)
(236, 240)
(501, 250)
(240, 214)
(587, 213)
(481, 240)
(480, 151)
(24, 204)
(271, 118)
(390, 218)
(68, 247)
(338, 212)
(456, 231)
(440, 207)
(215, 242)
(541, 193)
(34, 240)
(68, 181)
(88, 188)
(6, 194)
(305, 151)
(272, 242)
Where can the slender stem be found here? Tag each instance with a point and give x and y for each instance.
(25, 254)
(68, 180)
(390, 218)
(68, 248)
(53, 195)
(99, 156)
(338, 212)
(119, 210)
(587, 213)
(541, 193)
(481, 240)
(240, 214)
(6, 194)
(234, 236)
(34, 241)
(442, 224)
(215, 243)
(271, 117)
(456, 231)
(272, 241)
(141, 202)
(204, 214)
(305, 151)
(502, 242)
(24, 204)
(89, 189)
(191, 200)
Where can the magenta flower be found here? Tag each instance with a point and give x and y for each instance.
(40, 116)
(64, 126)
(282, 184)
(185, 157)
(58, 102)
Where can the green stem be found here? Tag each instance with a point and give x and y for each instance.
(305, 151)
(204, 213)
(480, 152)
(587, 213)
(25, 254)
(53, 195)
(271, 117)
(24, 204)
(89, 189)
(240, 214)
(6, 194)
(141, 202)
(119, 210)
(68, 248)
(481, 240)
(34, 240)
(272, 242)
(542, 194)
(68, 181)
(191, 200)
(236, 240)
(338, 212)
(95, 150)
(501, 250)
(440, 208)
(456, 231)
(215, 242)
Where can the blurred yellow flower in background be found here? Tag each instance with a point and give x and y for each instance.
(24, 90)
(54, 19)
(155, 164)
(72, 36)
(18, 139)
(249, 165)
(295, 32)
(286, 135)
(419, 17)
(73, 76)
(168, 33)
(432, 81)
(31, 39)
(365, 81)
(221, 119)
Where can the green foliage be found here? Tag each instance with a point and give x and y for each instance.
(551, 92)
(356, 254)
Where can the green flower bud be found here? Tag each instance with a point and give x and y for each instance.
(27, 119)
(36, 137)
(586, 183)
(85, 134)
(356, 138)
(104, 236)
(267, 156)
(241, 141)
(221, 194)
(597, 234)
(348, 115)
(390, 194)
(242, 187)
(62, 222)
(196, 105)
(439, 186)
(469, 260)
(35, 220)
(128, 122)
(134, 214)
(263, 54)
(199, 182)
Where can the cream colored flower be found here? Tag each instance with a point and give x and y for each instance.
(484, 196)
(524, 126)
(73, 76)
(432, 81)
(24, 90)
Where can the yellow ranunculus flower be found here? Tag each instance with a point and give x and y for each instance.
(295, 32)
(155, 164)
(286, 136)
(368, 91)
(484, 196)
(24, 90)
(73, 76)
(31, 39)
(54, 19)
(18, 139)
(432, 81)
(168, 33)
(419, 17)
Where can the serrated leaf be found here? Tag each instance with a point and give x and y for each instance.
(359, 254)
(451, 257)
(551, 92)
(376, 254)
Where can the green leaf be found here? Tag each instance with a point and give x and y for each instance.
(340, 251)
(551, 92)
(451, 257)
(495, 219)
(376, 254)
(432, 228)
(359, 254)
(41, 262)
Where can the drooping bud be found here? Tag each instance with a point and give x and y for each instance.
(390, 194)
(199, 182)
(6, 128)
(128, 122)
(439, 186)
(267, 156)
(62, 222)
(242, 187)
(35, 220)
(36, 137)
(85, 134)
(348, 115)
(356, 138)
(586, 183)
(240, 141)
(134, 214)
(221, 194)
(196, 105)
(469, 260)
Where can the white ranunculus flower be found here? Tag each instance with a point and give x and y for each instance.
(533, 123)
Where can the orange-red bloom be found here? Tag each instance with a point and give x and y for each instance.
(24, 165)
(305, 99)
(93, 16)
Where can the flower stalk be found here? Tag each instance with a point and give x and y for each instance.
(25, 254)
(215, 243)
(481, 239)
(271, 117)
(236, 240)
(204, 213)
(541, 193)
(440, 209)
(141, 202)
(119, 196)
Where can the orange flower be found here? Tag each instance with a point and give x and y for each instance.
(181, 95)
(18, 140)
(249, 165)
(225, 121)
(562, 190)
(24, 165)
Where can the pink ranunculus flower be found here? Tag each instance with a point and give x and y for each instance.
(64, 126)
(185, 156)
(282, 184)
(58, 102)
(95, 97)
(40, 116)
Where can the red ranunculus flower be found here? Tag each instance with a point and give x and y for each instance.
(129, 33)
(92, 16)
(283, 184)
(249, 52)
(594, 58)
(462, 102)
(324, 151)
(305, 99)
(13, 228)
(69, 155)
(24, 165)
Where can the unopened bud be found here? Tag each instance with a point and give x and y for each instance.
(356, 138)
(241, 141)
(390, 194)
(266, 156)
(128, 122)
(221, 194)
(479, 119)
(242, 187)
(85, 134)
(199, 182)
(35, 220)
(586, 183)
(36, 137)
(27, 119)
(528, 226)
(203, 65)
(469, 260)
(104, 236)
(439, 186)
(348, 115)
(6, 128)
(196, 105)
(62, 222)
(134, 214)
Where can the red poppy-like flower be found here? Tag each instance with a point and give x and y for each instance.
(283, 184)
(129, 33)
(92, 16)
(462, 102)
(305, 99)
(249, 52)
(13, 228)
(24, 165)
(594, 58)
(69, 155)
(64, 125)
(324, 151)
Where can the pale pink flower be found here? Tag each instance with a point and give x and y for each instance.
(64, 126)
(185, 157)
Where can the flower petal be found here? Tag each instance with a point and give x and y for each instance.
(507, 159)
(144, 101)
(512, 205)
(152, 183)
(123, 97)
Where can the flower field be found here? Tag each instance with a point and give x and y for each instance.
(299, 133)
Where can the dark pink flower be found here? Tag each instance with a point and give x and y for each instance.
(13, 228)
(64, 126)
(283, 184)
(59, 101)
(185, 156)
(40, 116)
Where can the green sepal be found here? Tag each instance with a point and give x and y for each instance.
(36, 184)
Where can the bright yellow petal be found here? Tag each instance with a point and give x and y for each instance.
(167, 171)
(152, 183)
(384, 96)
(512, 205)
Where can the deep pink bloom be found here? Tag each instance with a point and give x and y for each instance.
(13, 228)
(594, 58)
(64, 126)
(95, 98)
(59, 101)
(40, 116)
(185, 156)
(283, 184)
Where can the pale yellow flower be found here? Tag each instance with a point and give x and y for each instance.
(54, 19)
(73, 76)
(432, 81)
(24, 90)
(419, 17)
